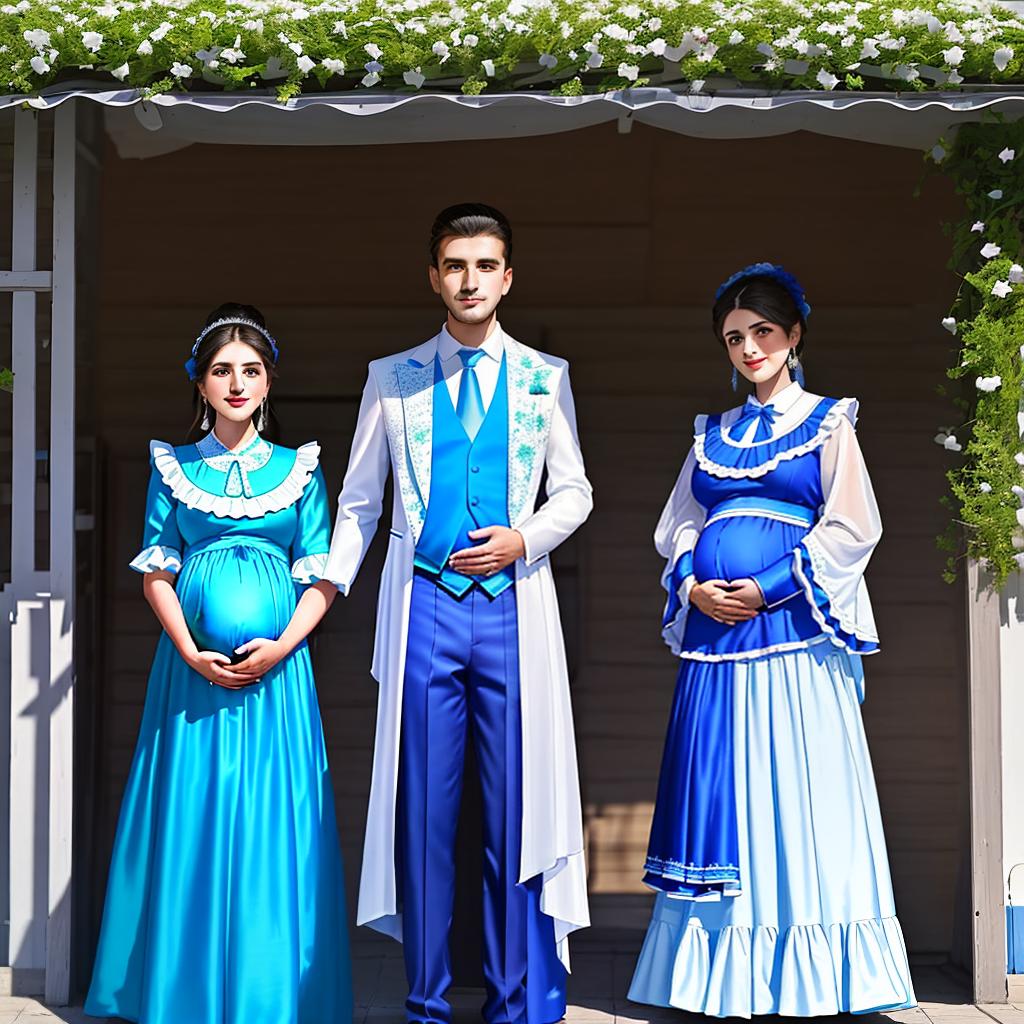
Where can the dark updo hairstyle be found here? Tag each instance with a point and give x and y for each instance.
(762, 295)
(224, 335)
(468, 220)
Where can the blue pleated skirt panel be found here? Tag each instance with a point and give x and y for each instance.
(225, 900)
(813, 930)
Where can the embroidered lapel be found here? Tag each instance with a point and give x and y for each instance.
(407, 394)
(531, 401)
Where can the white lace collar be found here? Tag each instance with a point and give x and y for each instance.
(236, 464)
(241, 505)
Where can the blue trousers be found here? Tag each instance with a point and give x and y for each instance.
(462, 674)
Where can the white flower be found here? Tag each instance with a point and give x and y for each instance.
(616, 32)
(938, 154)
(953, 56)
(37, 37)
(954, 78)
(1001, 289)
(414, 78)
(766, 49)
(696, 85)
(145, 48)
(988, 384)
(296, 48)
(996, 193)
(160, 31)
(869, 49)
(949, 442)
(180, 70)
(373, 51)
(1022, 351)
(990, 250)
(374, 67)
(233, 54)
(120, 73)
(907, 73)
(253, 25)
(1019, 559)
(471, 40)
(985, 488)
(595, 59)
(548, 61)
(953, 34)
(1002, 57)
(335, 66)
(826, 79)
(949, 322)
(1016, 274)
(370, 78)
(39, 65)
(92, 41)
(978, 225)
(440, 49)
(306, 64)
(629, 71)
(1007, 155)
(340, 29)
(1019, 458)
(736, 37)
(488, 66)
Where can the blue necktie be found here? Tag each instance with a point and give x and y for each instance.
(470, 406)
(765, 416)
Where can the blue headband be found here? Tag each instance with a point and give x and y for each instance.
(190, 365)
(776, 273)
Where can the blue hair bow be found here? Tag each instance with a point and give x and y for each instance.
(776, 273)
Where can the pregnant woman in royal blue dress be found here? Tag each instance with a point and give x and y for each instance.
(766, 848)
(225, 901)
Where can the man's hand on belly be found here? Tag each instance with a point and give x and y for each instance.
(501, 547)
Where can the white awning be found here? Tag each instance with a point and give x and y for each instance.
(171, 121)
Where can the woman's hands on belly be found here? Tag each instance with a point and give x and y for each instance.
(728, 602)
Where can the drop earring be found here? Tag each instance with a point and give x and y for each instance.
(261, 420)
(205, 425)
(796, 371)
(735, 379)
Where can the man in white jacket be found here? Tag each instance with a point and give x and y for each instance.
(468, 635)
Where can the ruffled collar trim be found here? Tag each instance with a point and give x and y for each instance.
(235, 506)
(722, 457)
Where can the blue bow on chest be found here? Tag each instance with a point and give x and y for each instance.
(763, 414)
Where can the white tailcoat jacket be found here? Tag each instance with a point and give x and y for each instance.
(394, 431)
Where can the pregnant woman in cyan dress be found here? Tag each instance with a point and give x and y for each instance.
(225, 901)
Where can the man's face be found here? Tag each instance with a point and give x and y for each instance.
(471, 276)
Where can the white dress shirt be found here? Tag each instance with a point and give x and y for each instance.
(487, 369)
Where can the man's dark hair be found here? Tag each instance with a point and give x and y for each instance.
(468, 220)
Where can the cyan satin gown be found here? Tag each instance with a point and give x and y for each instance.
(766, 848)
(225, 900)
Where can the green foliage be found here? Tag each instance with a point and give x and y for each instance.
(986, 163)
(563, 46)
(6, 379)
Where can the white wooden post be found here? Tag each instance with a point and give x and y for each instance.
(62, 557)
(987, 884)
(26, 603)
(40, 604)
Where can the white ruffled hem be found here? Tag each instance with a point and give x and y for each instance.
(805, 971)
(157, 559)
(848, 621)
(285, 494)
(843, 407)
(309, 569)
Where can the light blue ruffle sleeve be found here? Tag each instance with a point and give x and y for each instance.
(313, 534)
(161, 541)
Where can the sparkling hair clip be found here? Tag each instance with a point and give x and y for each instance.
(776, 273)
(190, 365)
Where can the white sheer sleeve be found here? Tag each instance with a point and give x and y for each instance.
(829, 563)
(675, 538)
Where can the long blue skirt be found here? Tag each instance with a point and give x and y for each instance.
(225, 901)
(813, 930)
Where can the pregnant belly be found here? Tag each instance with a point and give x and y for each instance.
(234, 595)
(737, 547)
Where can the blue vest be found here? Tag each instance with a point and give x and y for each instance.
(468, 487)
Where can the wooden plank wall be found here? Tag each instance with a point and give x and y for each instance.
(620, 243)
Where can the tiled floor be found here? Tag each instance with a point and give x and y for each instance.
(602, 968)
